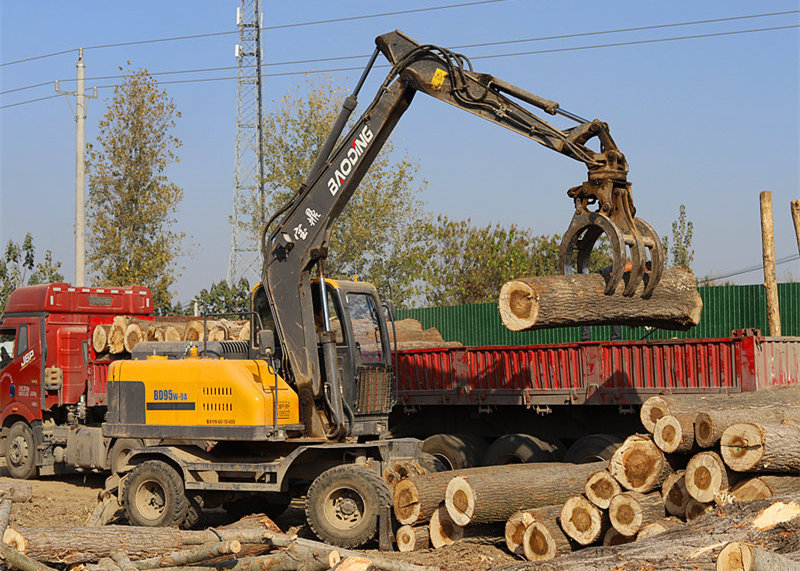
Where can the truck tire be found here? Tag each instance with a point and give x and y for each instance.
(343, 503)
(154, 496)
(592, 448)
(519, 449)
(455, 451)
(119, 450)
(21, 452)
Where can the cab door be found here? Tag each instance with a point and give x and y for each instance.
(21, 365)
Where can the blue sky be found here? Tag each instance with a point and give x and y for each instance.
(706, 122)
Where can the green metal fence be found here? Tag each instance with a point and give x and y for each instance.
(725, 308)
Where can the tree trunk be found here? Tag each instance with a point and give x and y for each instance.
(631, 511)
(578, 299)
(692, 546)
(413, 538)
(658, 527)
(773, 447)
(768, 253)
(675, 432)
(583, 521)
(100, 338)
(674, 493)
(16, 491)
(544, 540)
(600, 488)
(710, 424)
(638, 464)
(738, 556)
(707, 476)
(443, 530)
(765, 486)
(493, 493)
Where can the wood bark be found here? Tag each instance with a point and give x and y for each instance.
(674, 493)
(600, 488)
(773, 447)
(583, 521)
(739, 556)
(695, 509)
(190, 556)
(410, 538)
(765, 486)
(631, 511)
(710, 424)
(100, 338)
(768, 252)
(692, 546)
(123, 561)
(795, 207)
(675, 432)
(493, 493)
(639, 465)
(657, 527)
(578, 299)
(5, 515)
(707, 477)
(16, 560)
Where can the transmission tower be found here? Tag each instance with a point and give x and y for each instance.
(248, 176)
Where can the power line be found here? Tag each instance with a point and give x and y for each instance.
(490, 56)
(277, 27)
(754, 268)
(474, 45)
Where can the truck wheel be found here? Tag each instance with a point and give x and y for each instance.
(343, 503)
(21, 452)
(592, 448)
(154, 496)
(519, 449)
(455, 451)
(119, 450)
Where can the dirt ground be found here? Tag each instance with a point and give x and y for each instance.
(68, 499)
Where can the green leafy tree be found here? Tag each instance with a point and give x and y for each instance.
(378, 235)
(224, 298)
(469, 264)
(681, 252)
(131, 204)
(18, 267)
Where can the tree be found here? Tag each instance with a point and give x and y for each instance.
(131, 204)
(469, 264)
(378, 235)
(223, 298)
(18, 267)
(682, 251)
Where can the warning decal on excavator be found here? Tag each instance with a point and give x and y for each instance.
(438, 79)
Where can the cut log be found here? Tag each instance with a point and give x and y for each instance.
(415, 499)
(639, 465)
(410, 538)
(695, 509)
(16, 560)
(193, 331)
(100, 338)
(171, 333)
(675, 432)
(154, 333)
(765, 486)
(5, 515)
(738, 556)
(443, 530)
(707, 477)
(631, 511)
(133, 335)
(710, 425)
(515, 528)
(600, 488)
(579, 299)
(544, 540)
(674, 493)
(582, 521)
(613, 537)
(493, 493)
(244, 332)
(767, 447)
(116, 336)
(16, 491)
(657, 527)
(190, 556)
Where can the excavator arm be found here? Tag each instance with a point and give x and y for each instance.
(603, 203)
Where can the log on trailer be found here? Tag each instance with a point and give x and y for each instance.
(579, 299)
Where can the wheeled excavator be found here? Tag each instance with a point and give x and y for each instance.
(303, 408)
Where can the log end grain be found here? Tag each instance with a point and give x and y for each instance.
(639, 465)
(443, 530)
(630, 511)
(613, 537)
(600, 488)
(515, 528)
(674, 433)
(653, 409)
(542, 542)
(742, 446)
(459, 500)
(412, 538)
(658, 527)
(674, 493)
(581, 520)
(406, 502)
(706, 477)
(695, 509)
(704, 430)
(519, 305)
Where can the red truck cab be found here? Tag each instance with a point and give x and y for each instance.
(52, 384)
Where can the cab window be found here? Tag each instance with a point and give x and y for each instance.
(366, 327)
(22, 340)
(6, 346)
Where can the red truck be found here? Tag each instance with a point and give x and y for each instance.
(530, 402)
(52, 384)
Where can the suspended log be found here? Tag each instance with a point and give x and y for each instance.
(579, 299)
(410, 538)
(710, 425)
(631, 511)
(657, 527)
(707, 477)
(582, 521)
(738, 556)
(675, 432)
(695, 509)
(600, 488)
(773, 447)
(765, 486)
(493, 493)
(674, 493)
(639, 465)
(544, 540)
(100, 338)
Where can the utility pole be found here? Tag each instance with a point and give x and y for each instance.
(80, 146)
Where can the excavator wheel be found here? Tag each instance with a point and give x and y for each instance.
(154, 496)
(343, 503)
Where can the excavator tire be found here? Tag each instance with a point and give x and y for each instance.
(154, 496)
(343, 503)
(119, 450)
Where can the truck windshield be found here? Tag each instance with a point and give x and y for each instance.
(366, 328)
(6, 347)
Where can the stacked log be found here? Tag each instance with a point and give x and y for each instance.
(639, 465)
(600, 488)
(762, 447)
(583, 521)
(629, 512)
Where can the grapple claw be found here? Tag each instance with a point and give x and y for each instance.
(652, 243)
(581, 235)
